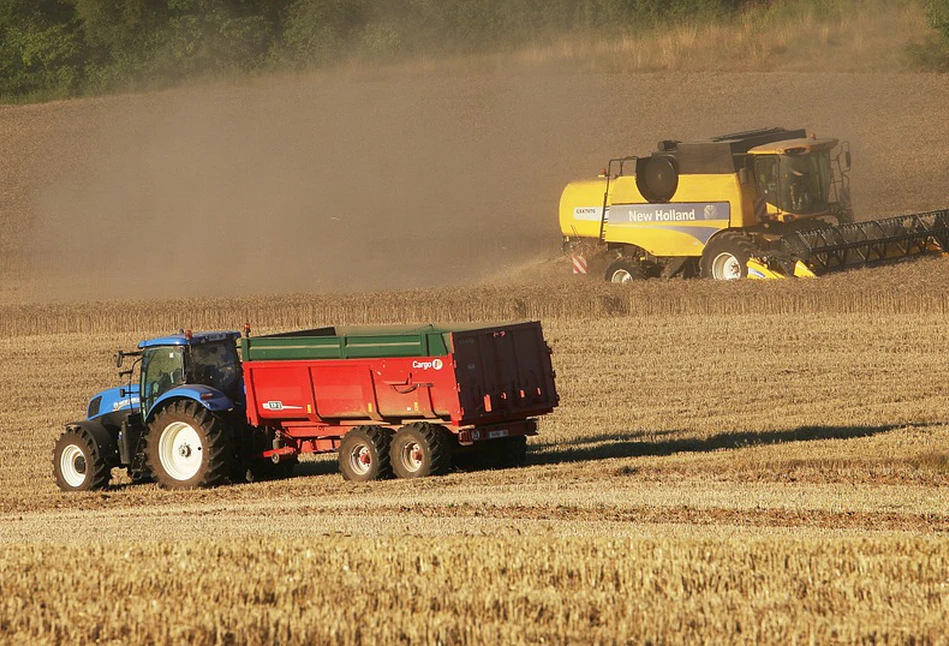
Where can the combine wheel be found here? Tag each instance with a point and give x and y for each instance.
(421, 449)
(78, 464)
(726, 257)
(364, 454)
(188, 446)
(624, 270)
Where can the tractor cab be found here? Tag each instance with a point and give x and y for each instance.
(799, 178)
(206, 365)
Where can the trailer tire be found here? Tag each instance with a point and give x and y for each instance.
(78, 462)
(364, 454)
(726, 256)
(421, 449)
(188, 446)
(624, 270)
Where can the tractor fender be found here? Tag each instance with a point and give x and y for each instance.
(211, 398)
(105, 440)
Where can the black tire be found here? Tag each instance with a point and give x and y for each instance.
(78, 463)
(180, 458)
(503, 453)
(624, 270)
(421, 449)
(364, 454)
(726, 256)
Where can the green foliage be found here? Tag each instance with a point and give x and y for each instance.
(938, 13)
(54, 48)
(40, 48)
(933, 52)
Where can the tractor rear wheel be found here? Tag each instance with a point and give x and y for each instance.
(726, 257)
(78, 464)
(364, 454)
(624, 270)
(421, 449)
(188, 446)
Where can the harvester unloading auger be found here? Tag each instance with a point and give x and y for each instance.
(767, 203)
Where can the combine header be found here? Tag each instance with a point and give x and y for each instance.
(857, 244)
(767, 203)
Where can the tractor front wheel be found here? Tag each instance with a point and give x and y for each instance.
(78, 464)
(364, 454)
(421, 449)
(726, 257)
(188, 446)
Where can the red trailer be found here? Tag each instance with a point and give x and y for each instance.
(400, 400)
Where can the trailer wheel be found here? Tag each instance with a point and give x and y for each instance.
(421, 449)
(364, 454)
(726, 257)
(188, 446)
(78, 464)
(624, 270)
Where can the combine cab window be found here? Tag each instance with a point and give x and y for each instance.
(767, 171)
(216, 365)
(163, 368)
(797, 184)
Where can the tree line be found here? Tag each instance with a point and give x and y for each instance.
(58, 48)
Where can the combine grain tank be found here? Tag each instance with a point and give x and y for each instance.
(401, 401)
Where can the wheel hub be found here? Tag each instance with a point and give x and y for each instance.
(180, 451)
(72, 466)
(726, 266)
(360, 459)
(412, 456)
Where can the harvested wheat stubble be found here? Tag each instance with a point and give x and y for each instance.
(484, 590)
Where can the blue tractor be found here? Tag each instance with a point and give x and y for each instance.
(183, 424)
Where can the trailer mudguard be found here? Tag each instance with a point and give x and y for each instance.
(211, 398)
(105, 440)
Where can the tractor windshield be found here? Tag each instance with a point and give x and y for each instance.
(798, 184)
(216, 365)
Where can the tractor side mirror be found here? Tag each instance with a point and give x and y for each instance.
(743, 176)
(119, 356)
(847, 159)
(122, 392)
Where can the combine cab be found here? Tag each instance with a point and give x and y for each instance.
(759, 204)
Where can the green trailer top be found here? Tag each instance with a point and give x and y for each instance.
(352, 342)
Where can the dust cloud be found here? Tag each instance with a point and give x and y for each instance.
(407, 178)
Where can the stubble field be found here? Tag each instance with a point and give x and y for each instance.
(760, 463)
(712, 475)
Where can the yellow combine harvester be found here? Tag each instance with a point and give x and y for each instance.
(765, 203)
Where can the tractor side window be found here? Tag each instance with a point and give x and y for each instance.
(162, 370)
(216, 365)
